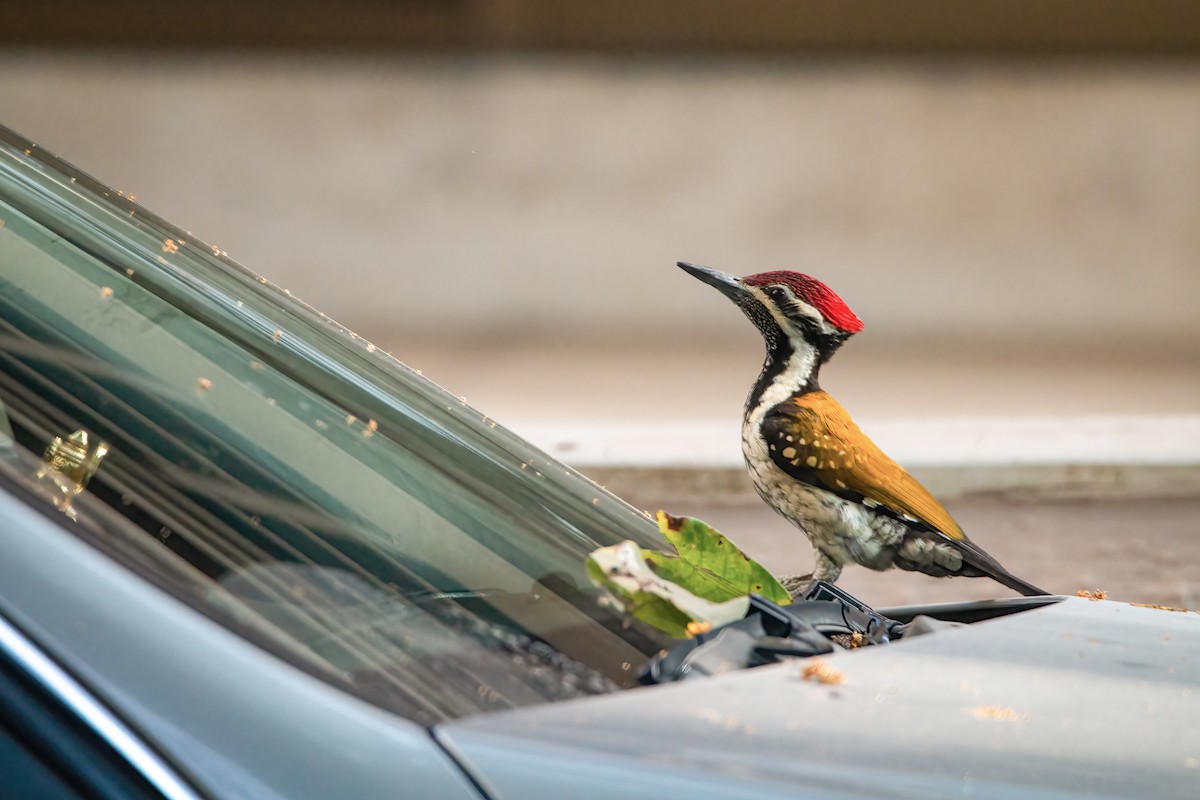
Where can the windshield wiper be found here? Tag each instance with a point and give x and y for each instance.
(824, 620)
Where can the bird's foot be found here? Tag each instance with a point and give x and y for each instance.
(796, 585)
(827, 570)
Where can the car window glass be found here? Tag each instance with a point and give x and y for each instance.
(26, 775)
(47, 752)
(359, 520)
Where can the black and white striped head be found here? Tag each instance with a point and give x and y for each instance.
(789, 308)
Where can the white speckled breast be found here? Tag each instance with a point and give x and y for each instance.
(842, 530)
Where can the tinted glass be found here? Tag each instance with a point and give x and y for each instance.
(284, 475)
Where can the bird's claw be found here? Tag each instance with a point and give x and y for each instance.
(796, 585)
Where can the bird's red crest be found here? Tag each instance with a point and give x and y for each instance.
(813, 292)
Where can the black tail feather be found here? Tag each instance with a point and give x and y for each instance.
(975, 556)
(1016, 584)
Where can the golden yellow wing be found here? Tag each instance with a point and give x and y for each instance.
(813, 439)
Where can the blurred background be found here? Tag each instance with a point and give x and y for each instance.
(496, 191)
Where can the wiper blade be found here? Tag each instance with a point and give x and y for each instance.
(826, 619)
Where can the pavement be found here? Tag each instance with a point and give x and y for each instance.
(1144, 551)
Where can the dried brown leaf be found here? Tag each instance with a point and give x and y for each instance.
(1001, 713)
(817, 670)
(1160, 608)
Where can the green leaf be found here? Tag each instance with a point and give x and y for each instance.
(708, 552)
(660, 613)
(704, 585)
(700, 582)
(624, 572)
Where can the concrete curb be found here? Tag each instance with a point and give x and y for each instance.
(1081, 457)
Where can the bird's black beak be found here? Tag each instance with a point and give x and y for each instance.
(729, 285)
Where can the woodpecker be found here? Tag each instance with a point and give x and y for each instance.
(809, 460)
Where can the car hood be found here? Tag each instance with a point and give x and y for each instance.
(1073, 699)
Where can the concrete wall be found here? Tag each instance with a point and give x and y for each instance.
(1019, 238)
(474, 197)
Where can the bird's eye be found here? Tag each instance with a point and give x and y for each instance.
(777, 293)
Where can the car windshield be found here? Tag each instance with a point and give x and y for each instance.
(285, 476)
